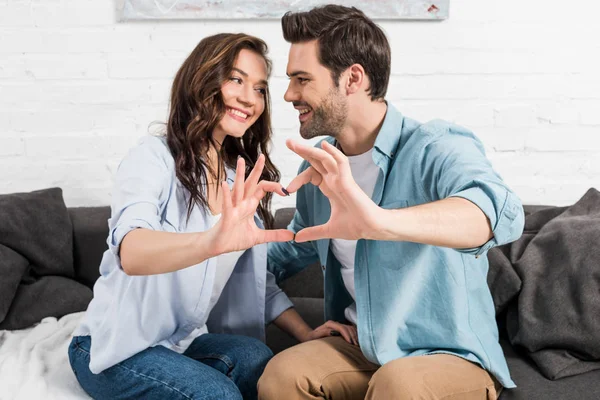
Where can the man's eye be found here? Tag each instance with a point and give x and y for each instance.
(302, 80)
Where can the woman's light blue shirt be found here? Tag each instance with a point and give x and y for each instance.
(414, 299)
(131, 313)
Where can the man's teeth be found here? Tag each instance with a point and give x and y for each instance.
(238, 113)
(304, 111)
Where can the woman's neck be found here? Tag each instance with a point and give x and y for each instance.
(214, 164)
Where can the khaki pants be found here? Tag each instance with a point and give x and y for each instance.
(331, 368)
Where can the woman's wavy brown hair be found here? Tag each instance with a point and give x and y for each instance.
(197, 107)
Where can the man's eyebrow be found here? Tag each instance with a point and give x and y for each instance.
(245, 74)
(296, 73)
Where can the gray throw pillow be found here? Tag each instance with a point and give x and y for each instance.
(36, 259)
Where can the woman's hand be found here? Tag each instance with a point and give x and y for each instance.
(332, 328)
(237, 230)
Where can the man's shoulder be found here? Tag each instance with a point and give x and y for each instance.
(438, 130)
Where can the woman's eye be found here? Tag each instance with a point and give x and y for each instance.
(236, 79)
(262, 91)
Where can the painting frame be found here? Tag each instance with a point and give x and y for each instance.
(274, 9)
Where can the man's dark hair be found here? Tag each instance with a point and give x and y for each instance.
(346, 36)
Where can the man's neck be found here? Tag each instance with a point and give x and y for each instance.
(362, 129)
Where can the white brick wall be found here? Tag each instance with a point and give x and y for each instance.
(77, 89)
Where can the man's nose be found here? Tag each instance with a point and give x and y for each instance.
(291, 94)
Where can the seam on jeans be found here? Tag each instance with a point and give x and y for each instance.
(223, 359)
(140, 374)
(154, 380)
(82, 350)
(85, 353)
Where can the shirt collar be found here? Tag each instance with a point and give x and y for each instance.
(388, 137)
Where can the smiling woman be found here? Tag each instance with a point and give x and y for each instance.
(187, 252)
(244, 95)
(220, 109)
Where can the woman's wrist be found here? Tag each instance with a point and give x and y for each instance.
(205, 244)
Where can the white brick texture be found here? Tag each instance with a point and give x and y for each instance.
(78, 89)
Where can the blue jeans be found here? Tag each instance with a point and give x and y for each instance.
(215, 366)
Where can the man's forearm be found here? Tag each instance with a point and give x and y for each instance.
(453, 222)
(292, 323)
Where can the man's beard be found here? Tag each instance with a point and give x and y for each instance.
(328, 118)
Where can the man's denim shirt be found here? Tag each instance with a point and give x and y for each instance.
(414, 299)
(131, 313)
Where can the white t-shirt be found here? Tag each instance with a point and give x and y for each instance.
(365, 172)
(225, 263)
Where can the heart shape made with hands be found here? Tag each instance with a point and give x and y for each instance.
(353, 213)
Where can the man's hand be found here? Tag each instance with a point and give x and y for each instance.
(353, 214)
(332, 328)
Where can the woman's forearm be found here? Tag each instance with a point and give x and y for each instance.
(292, 323)
(148, 252)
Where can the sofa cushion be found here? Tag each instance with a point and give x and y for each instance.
(90, 230)
(555, 286)
(532, 385)
(46, 296)
(36, 244)
(37, 226)
(12, 268)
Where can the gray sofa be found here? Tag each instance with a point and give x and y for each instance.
(306, 291)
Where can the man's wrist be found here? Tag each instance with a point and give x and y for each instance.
(377, 224)
(386, 225)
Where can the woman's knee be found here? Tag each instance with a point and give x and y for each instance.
(250, 353)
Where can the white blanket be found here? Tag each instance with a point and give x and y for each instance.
(34, 363)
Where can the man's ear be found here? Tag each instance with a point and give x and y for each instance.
(355, 78)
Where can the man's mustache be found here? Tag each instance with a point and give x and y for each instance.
(299, 104)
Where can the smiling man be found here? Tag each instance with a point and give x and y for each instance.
(400, 214)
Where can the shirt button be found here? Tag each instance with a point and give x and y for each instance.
(323, 267)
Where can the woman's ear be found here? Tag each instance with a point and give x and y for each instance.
(355, 78)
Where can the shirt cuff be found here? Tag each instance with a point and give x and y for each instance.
(276, 305)
(501, 222)
(137, 216)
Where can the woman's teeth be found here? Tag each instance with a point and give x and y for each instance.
(238, 113)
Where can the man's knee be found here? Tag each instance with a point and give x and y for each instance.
(398, 380)
(281, 376)
(430, 377)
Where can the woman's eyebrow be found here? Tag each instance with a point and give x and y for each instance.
(245, 74)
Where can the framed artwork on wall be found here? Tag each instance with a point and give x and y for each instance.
(274, 9)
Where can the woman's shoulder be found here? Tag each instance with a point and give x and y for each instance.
(156, 144)
(151, 149)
